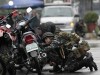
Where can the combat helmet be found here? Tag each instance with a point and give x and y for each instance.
(47, 34)
(63, 35)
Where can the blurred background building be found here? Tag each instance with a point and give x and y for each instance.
(50, 1)
(3, 12)
(84, 5)
(4, 1)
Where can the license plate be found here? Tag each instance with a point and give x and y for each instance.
(31, 47)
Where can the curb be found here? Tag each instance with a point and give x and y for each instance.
(94, 43)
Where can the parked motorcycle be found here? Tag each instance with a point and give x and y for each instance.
(27, 49)
(6, 40)
(2, 67)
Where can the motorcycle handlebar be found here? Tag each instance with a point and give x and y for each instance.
(28, 21)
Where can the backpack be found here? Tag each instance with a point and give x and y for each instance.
(82, 49)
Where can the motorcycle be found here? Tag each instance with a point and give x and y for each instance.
(27, 51)
(6, 40)
(2, 67)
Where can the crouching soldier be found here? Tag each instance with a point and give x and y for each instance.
(83, 57)
(48, 39)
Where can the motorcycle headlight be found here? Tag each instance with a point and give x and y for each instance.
(34, 53)
(71, 24)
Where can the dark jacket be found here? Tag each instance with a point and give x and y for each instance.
(80, 29)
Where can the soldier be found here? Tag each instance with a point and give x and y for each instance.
(48, 39)
(80, 28)
(43, 28)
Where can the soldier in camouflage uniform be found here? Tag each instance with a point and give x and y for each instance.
(72, 39)
(49, 44)
(69, 39)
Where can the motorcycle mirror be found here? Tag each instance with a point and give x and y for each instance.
(8, 26)
(29, 9)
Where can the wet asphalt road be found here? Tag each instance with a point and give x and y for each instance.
(83, 71)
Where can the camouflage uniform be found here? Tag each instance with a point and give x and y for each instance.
(49, 48)
(69, 39)
(72, 39)
(82, 49)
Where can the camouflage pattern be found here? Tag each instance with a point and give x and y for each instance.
(84, 45)
(76, 53)
(71, 38)
(5, 53)
(82, 49)
(74, 38)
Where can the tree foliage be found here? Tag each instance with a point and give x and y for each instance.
(91, 17)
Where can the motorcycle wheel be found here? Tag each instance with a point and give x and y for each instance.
(37, 66)
(34, 65)
(11, 69)
(2, 67)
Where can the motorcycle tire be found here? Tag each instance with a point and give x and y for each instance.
(38, 68)
(11, 69)
(3, 70)
(34, 65)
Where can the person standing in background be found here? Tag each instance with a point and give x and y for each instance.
(80, 28)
